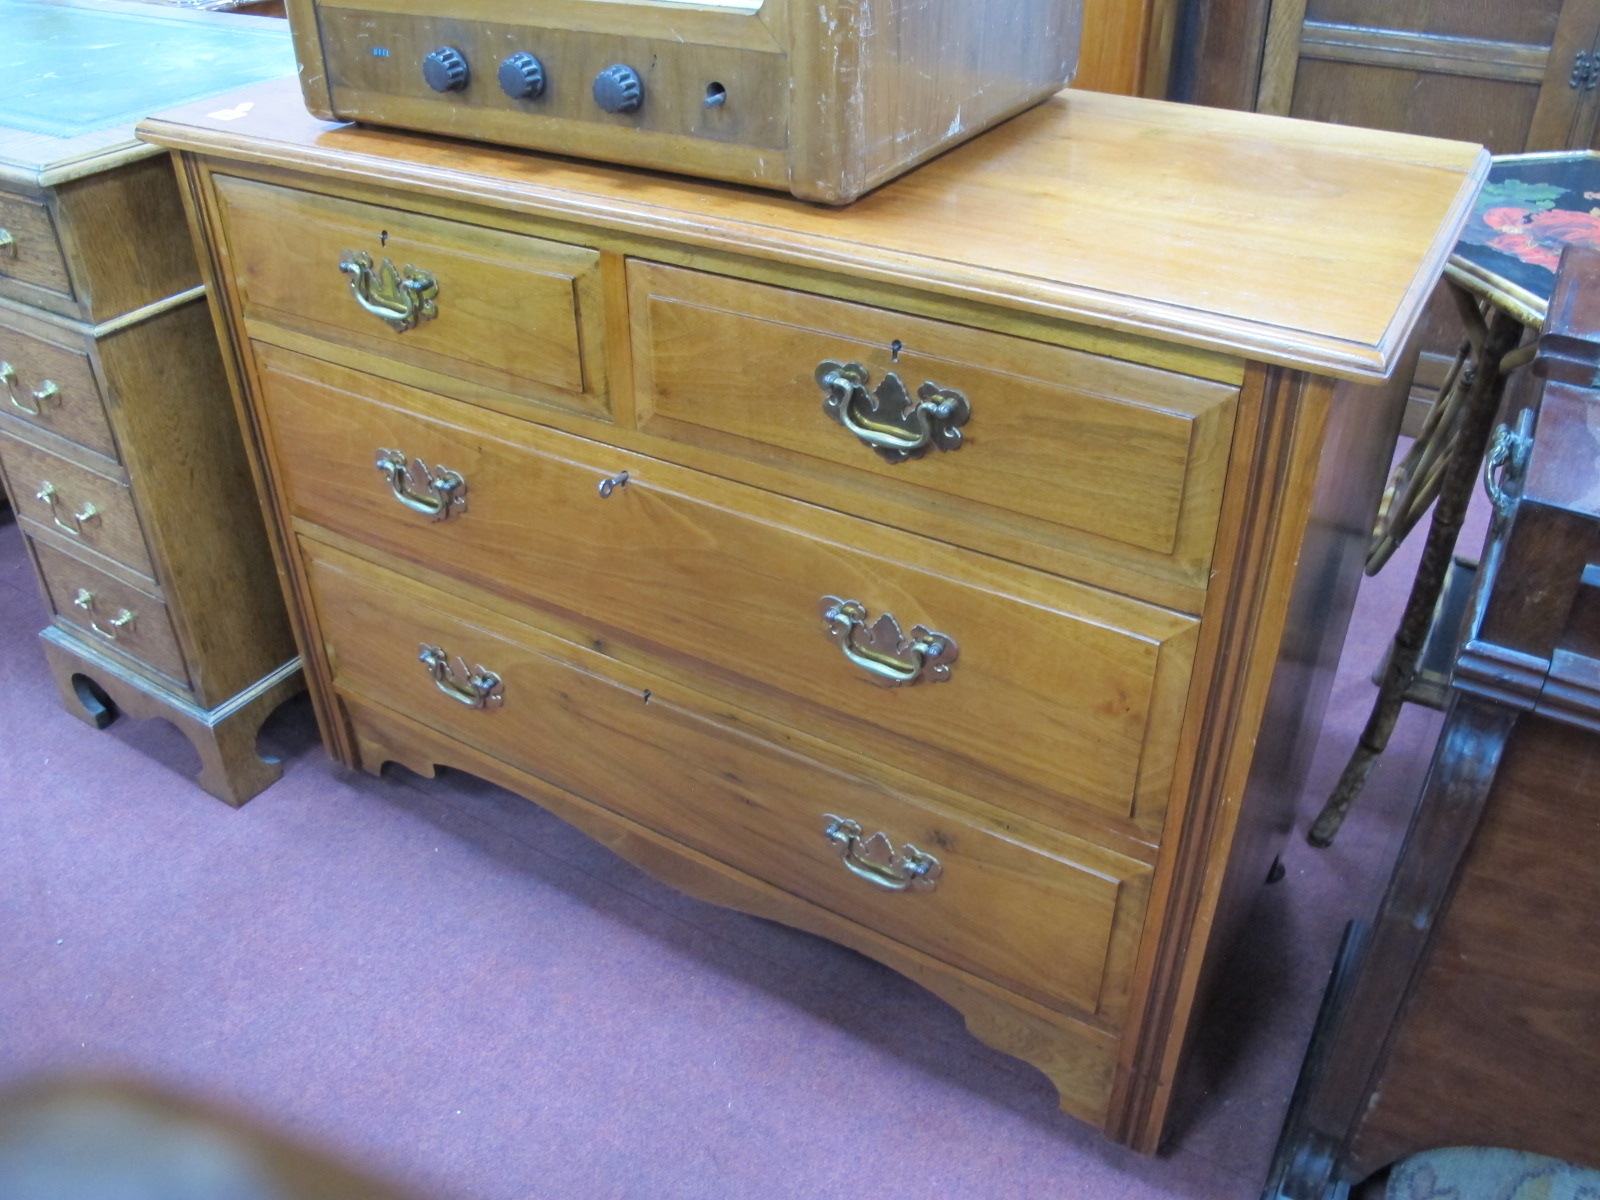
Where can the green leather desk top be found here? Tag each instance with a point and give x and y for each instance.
(80, 73)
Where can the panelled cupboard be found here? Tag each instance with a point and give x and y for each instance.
(955, 575)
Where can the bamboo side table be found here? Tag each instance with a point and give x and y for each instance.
(1501, 276)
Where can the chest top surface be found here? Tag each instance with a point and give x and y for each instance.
(1308, 245)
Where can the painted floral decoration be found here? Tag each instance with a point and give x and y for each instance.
(1521, 219)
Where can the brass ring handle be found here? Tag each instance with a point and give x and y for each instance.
(85, 600)
(877, 861)
(886, 418)
(482, 688)
(47, 392)
(74, 522)
(1507, 457)
(890, 658)
(445, 491)
(400, 298)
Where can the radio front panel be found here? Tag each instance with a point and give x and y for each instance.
(549, 78)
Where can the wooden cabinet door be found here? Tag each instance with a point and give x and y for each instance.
(1515, 77)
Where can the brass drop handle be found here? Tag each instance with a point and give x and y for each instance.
(47, 392)
(444, 491)
(1507, 460)
(399, 297)
(877, 861)
(890, 658)
(74, 522)
(482, 687)
(85, 599)
(886, 418)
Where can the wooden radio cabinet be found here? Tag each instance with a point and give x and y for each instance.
(957, 576)
(823, 98)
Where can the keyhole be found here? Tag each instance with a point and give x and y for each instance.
(894, 350)
(383, 238)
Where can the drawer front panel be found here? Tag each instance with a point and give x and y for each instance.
(1071, 441)
(92, 509)
(513, 313)
(1055, 925)
(53, 387)
(110, 613)
(31, 252)
(1057, 687)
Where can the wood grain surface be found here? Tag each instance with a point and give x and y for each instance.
(1304, 244)
(1075, 1055)
(689, 566)
(1096, 445)
(113, 530)
(1500, 1041)
(1163, 291)
(42, 354)
(147, 635)
(509, 313)
(1037, 922)
(826, 99)
(34, 255)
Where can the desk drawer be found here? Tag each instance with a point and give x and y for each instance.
(30, 251)
(509, 312)
(1072, 443)
(52, 386)
(1056, 687)
(1057, 924)
(110, 613)
(93, 510)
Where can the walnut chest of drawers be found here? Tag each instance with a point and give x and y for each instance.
(118, 445)
(956, 575)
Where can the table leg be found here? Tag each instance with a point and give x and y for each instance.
(1485, 381)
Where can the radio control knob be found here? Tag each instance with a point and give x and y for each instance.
(522, 76)
(618, 89)
(446, 69)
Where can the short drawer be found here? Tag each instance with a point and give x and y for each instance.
(30, 251)
(52, 386)
(1066, 444)
(93, 510)
(1007, 673)
(111, 613)
(517, 314)
(1057, 923)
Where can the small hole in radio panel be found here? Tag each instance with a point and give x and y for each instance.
(716, 95)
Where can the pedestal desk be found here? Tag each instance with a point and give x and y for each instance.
(117, 440)
(956, 575)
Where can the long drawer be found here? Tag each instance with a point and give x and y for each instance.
(1019, 684)
(92, 509)
(1065, 446)
(518, 314)
(1056, 923)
